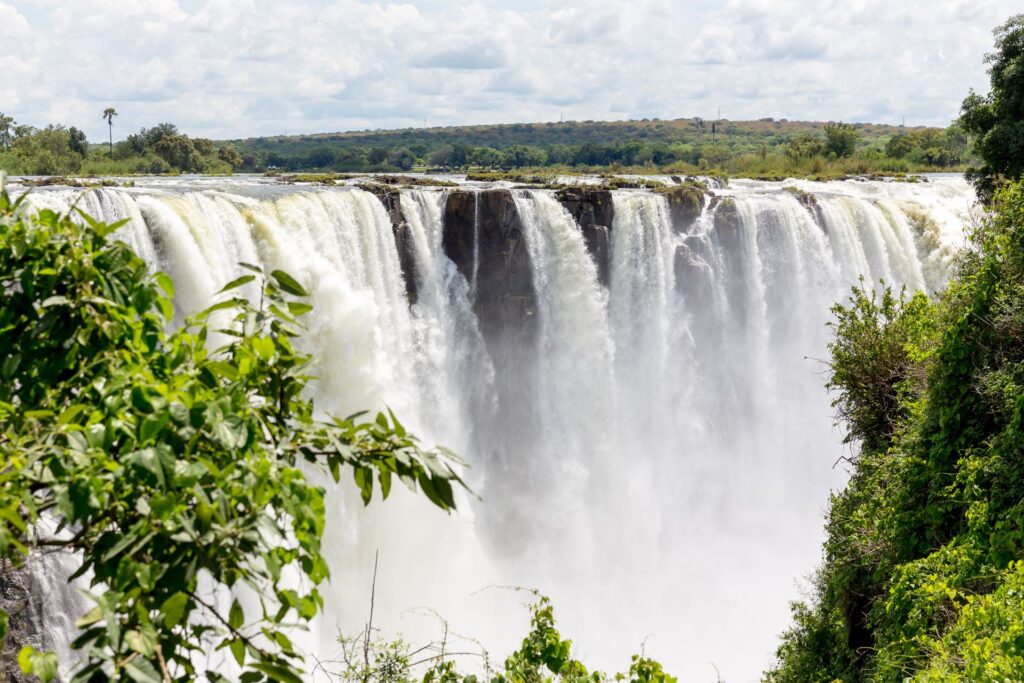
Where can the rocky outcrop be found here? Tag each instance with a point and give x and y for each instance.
(594, 211)
(390, 197)
(737, 249)
(810, 202)
(685, 202)
(483, 236)
(22, 599)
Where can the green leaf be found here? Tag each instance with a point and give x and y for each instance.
(44, 665)
(10, 365)
(288, 283)
(142, 671)
(40, 664)
(142, 641)
(364, 480)
(237, 282)
(230, 303)
(148, 459)
(166, 308)
(236, 617)
(165, 283)
(70, 413)
(298, 308)
(223, 369)
(90, 617)
(237, 647)
(25, 659)
(276, 672)
(151, 426)
(231, 433)
(173, 609)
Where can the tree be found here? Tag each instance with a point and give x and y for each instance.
(486, 157)
(6, 131)
(805, 146)
(46, 152)
(77, 141)
(402, 157)
(635, 153)
(996, 120)
(898, 146)
(871, 367)
(109, 113)
(520, 156)
(162, 458)
(203, 146)
(230, 155)
(840, 139)
(378, 155)
(179, 152)
(443, 156)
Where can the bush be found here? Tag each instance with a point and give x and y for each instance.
(163, 459)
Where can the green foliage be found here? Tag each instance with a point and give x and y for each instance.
(53, 150)
(167, 463)
(805, 146)
(543, 657)
(996, 120)
(930, 146)
(765, 148)
(876, 344)
(922, 573)
(986, 645)
(840, 139)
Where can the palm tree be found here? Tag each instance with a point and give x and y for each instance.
(109, 113)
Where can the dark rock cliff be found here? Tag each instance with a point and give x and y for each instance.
(390, 197)
(483, 236)
(594, 211)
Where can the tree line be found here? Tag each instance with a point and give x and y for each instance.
(56, 150)
(754, 148)
(920, 148)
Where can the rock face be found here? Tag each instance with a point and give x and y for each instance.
(22, 599)
(685, 203)
(594, 211)
(483, 236)
(390, 197)
(810, 202)
(737, 247)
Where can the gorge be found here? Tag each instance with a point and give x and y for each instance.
(635, 382)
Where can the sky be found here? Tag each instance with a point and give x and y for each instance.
(240, 68)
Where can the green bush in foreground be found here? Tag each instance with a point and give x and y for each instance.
(923, 576)
(167, 464)
(543, 657)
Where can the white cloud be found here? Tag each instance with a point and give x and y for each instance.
(231, 68)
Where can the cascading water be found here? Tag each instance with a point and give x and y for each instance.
(656, 457)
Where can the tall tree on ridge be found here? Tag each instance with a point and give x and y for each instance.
(109, 113)
(6, 128)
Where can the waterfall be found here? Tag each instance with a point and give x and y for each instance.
(655, 455)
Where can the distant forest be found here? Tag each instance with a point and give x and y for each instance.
(651, 143)
(766, 148)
